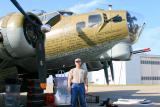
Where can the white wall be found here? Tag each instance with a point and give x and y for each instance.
(133, 68)
(98, 77)
(119, 72)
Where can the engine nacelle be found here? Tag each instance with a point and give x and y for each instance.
(121, 51)
(18, 34)
(94, 66)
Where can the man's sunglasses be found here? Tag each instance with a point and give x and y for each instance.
(77, 61)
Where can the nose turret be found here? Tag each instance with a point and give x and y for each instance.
(135, 26)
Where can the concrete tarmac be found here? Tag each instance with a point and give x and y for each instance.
(149, 92)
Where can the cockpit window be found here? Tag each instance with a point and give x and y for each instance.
(94, 20)
(117, 19)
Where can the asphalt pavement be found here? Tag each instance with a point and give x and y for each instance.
(149, 92)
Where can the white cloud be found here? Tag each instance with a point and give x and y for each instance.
(150, 39)
(80, 8)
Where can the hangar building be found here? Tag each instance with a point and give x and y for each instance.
(141, 69)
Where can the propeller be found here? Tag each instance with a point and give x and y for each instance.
(16, 4)
(40, 49)
(54, 20)
(110, 63)
(105, 67)
(107, 64)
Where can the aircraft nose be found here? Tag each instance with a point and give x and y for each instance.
(135, 25)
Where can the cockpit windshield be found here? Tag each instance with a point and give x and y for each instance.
(135, 25)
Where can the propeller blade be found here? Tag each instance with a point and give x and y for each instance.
(22, 11)
(41, 64)
(54, 20)
(40, 49)
(105, 67)
(110, 63)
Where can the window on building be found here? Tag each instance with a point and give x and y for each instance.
(142, 62)
(155, 78)
(146, 78)
(149, 78)
(141, 78)
(94, 20)
(145, 62)
(157, 62)
(153, 62)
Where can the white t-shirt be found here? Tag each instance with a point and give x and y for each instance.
(77, 75)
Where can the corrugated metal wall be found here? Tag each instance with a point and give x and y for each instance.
(150, 69)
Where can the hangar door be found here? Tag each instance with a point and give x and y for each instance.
(150, 70)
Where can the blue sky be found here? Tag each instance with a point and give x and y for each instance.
(147, 9)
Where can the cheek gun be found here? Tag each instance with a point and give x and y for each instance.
(141, 51)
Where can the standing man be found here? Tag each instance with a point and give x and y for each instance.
(78, 84)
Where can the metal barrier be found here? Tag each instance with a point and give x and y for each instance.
(12, 96)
